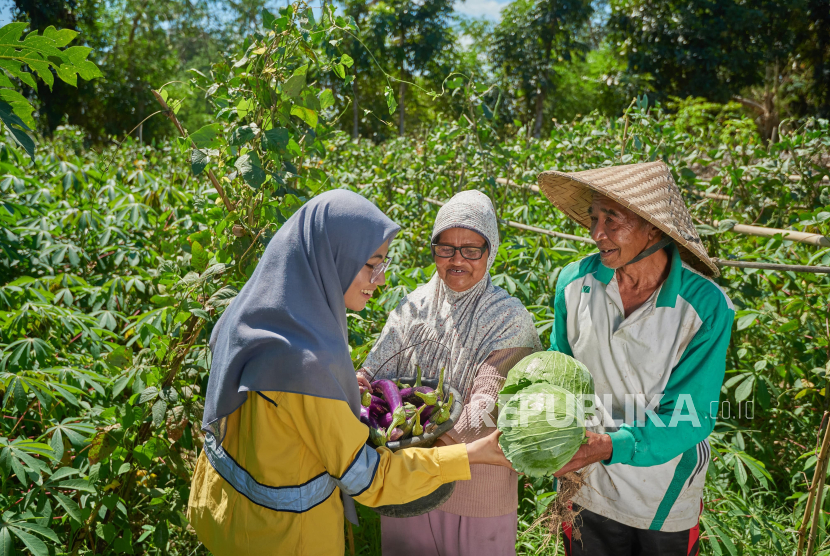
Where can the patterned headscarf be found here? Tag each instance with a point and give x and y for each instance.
(435, 327)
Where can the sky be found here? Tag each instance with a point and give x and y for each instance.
(474, 8)
(481, 8)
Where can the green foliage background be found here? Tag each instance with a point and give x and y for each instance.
(116, 264)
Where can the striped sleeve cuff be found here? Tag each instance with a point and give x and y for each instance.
(453, 463)
(622, 442)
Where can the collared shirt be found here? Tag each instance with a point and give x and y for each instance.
(657, 376)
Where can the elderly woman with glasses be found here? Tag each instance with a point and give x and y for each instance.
(476, 331)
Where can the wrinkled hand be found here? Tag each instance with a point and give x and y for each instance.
(487, 450)
(363, 382)
(598, 448)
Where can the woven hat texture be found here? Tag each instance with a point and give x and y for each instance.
(648, 189)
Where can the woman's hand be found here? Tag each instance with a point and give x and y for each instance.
(487, 450)
(363, 382)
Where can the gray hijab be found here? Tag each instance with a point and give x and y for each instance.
(286, 330)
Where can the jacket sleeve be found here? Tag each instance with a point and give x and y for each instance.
(684, 417)
(559, 331)
(373, 476)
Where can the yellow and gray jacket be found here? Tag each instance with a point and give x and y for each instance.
(273, 485)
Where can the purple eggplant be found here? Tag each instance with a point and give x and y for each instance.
(396, 434)
(385, 420)
(427, 411)
(364, 415)
(378, 407)
(392, 396)
(377, 434)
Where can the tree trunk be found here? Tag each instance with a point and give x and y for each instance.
(355, 114)
(540, 109)
(401, 108)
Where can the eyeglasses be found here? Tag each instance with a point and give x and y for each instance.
(378, 269)
(448, 251)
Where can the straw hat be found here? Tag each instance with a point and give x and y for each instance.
(648, 189)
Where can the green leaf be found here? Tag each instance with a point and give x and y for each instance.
(268, 19)
(326, 99)
(77, 484)
(251, 169)
(198, 161)
(34, 544)
(39, 529)
(198, 256)
(305, 114)
(6, 542)
(744, 389)
(276, 139)
(294, 85)
(17, 128)
(150, 393)
(243, 134)
(159, 410)
(746, 319)
(207, 136)
(740, 472)
(391, 103)
(347, 60)
(56, 443)
(161, 536)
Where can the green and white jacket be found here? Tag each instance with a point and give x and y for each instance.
(674, 345)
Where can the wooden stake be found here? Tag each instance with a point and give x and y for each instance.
(350, 536)
(816, 487)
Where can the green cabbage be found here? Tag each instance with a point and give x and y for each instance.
(543, 392)
(553, 368)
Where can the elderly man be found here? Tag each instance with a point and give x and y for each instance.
(653, 329)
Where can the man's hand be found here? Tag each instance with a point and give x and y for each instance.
(598, 448)
(363, 382)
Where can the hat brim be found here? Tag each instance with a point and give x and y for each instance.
(573, 195)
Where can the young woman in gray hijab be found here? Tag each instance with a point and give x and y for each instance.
(476, 331)
(284, 450)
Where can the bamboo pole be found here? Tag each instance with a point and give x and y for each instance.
(773, 266)
(816, 486)
(790, 235)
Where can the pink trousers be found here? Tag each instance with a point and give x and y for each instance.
(439, 533)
